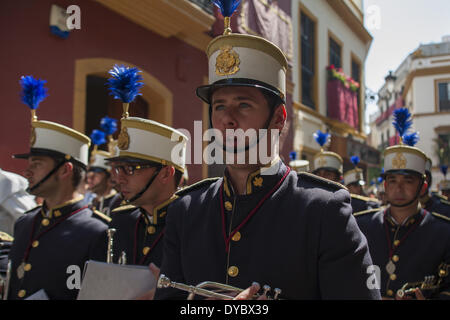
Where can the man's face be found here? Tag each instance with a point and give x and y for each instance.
(243, 108)
(131, 185)
(96, 181)
(401, 189)
(355, 188)
(38, 167)
(328, 174)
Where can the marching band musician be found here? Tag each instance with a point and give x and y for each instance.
(407, 242)
(62, 232)
(261, 222)
(148, 177)
(327, 164)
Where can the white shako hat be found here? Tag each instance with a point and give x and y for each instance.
(404, 158)
(297, 164)
(326, 159)
(98, 160)
(143, 140)
(354, 175)
(55, 140)
(244, 60)
(428, 164)
(49, 138)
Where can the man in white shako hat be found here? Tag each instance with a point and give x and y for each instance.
(62, 232)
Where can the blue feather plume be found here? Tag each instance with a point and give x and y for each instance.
(293, 155)
(402, 120)
(444, 169)
(321, 138)
(410, 139)
(380, 180)
(355, 160)
(124, 84)
(98, 137)
(108, 125)
(227, 7)
(33, 91)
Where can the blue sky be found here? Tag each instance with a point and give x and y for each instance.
(398, 27)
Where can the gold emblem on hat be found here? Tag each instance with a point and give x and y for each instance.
(33, 137)
(322, 161)
(124, 139)
(399, 161)
(227, 62)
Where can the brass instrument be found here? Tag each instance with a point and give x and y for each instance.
(123, 258)
(217, 290)
(428, 286)
(109, 251)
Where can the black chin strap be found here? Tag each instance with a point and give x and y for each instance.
(29, 190)
(415, 198)
(149, 183)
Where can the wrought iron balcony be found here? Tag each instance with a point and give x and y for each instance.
(204, 4)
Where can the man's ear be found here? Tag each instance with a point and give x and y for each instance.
(166, 174)
(66, 170)
(279, 117)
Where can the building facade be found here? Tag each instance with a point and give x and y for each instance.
(422, 84)
(331, 45)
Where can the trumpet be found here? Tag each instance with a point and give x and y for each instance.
(217, 290)
(109, 251)
(4, 284)
(429, 285)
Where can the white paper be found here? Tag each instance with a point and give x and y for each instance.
(108, 281)
(38, 295)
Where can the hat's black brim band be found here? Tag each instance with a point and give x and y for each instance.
(328, 169)
(205, 92)
(36, 152)
(401, 171)
(130, 160)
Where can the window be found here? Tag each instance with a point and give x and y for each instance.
(444, 96)
(307, 60)
(335, 53)
(356, 75)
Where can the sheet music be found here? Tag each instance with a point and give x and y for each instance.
(108, 281)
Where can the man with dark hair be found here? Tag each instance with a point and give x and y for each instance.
(62, 233)
(233, 229)
(408, 243)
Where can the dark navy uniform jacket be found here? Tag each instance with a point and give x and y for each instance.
(290, 231)
(139, 234)
(44, 248)
(437, 203)
(361, 203)
(417, 247)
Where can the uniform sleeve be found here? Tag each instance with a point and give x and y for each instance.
(344, 256)
(444, 292)
(171, 262)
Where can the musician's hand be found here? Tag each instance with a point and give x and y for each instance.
(250, 292)
(418, 295)
(150, 294)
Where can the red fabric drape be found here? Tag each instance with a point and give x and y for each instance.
(342, 103)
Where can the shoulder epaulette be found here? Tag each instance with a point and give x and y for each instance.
(127, 207)
(5, 237)
(363, 198)
(440, 216)
(440, 196)
(102, 216)
(196, 186)
(360, 213)
(28, 211)
(325, 182)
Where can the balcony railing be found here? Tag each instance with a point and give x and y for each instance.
(204, 4)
